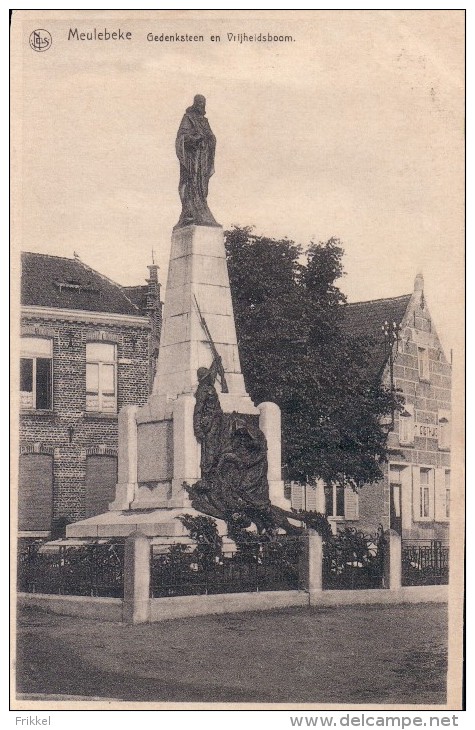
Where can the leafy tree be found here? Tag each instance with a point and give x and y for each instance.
(294, 351)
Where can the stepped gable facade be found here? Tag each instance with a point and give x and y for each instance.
(414, 495)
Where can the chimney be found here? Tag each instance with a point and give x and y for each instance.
(419, 282)
(153, 292)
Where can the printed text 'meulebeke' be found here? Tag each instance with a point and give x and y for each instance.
(101, 35)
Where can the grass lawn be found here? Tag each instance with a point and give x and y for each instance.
(351, 655)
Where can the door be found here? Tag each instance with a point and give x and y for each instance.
(395, 516)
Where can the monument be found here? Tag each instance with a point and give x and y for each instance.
(199, 445)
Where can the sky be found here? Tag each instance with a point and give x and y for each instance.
(353, 129)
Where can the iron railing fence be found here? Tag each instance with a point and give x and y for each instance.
(85, 570)
(256, 566)
(353, 560)
(425, 562)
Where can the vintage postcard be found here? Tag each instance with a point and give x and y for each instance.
(238, 361)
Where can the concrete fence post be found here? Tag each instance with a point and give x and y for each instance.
(311, 565)
(393, 565)
(270, 425)
(136, 608)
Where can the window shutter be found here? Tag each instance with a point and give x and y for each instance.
(440, 497)
(406, 424)
(92, 377)
(35, 492)
(297, 496)
(92, 402)
(447, 494)
(311, 498)
(351, 504)
(416, 493)
(108, 404)
(406, 497)
(320, 493)
(444, 420)
(431, 493)
(101, 478)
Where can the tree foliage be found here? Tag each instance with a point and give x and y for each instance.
(294, 351)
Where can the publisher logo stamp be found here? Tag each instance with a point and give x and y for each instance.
(40, 40)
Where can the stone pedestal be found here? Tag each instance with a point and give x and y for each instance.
(197, 273)
(158, 450)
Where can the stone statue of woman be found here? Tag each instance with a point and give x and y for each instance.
(195, 146)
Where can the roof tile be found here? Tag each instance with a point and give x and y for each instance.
(54, 281)
(365, 319)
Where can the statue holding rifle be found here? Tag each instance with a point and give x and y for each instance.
(208, 421)
(208, 416)
(233, 450)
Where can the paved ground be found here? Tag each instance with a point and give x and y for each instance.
(351, 655)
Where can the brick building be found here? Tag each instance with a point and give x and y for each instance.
(414, 495)
(88, 347)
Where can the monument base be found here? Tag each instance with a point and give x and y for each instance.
(152, 523)
(158, 452)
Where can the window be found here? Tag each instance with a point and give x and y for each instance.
(340, 502)
(447, 494)
(423, 360)
(444, 429)
(424, 494)
(303, 497)
(428, 494)
(36, 391)
(101, 377)
(406, 424)
(334, 500)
